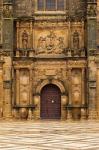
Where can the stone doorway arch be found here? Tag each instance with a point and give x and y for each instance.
(37, 97)
(50, 104)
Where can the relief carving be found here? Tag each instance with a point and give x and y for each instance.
(50, 44)
(7, 11)
(91, 10)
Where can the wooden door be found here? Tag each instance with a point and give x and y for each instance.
(50, 102)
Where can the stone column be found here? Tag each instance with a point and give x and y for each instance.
(8, 48)
(18, 42)
(37, 109)
(91, 54)
(1, 89)
(63, 108)
(30, 112)
(17, 90)
(31, 99)
(69, 113)
(83, 86)
(83, 110)
(70, 85)
(7, 88)
(97, 91)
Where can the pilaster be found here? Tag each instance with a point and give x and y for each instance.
(91, 51)
(7, 49)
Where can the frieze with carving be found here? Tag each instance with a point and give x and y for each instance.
(50, 44)
(77, 64)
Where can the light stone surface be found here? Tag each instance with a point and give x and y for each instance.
(49, 135)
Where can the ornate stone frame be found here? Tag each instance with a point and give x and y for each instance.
(64, 97)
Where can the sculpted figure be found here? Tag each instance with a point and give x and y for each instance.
(76, 40)
(50, 45)
(41, 45)
(60, 45)
(24, 40)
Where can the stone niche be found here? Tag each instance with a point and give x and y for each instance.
(76, 92)
(76, 86)
(22, 87)
(22, 93)
(24, 35)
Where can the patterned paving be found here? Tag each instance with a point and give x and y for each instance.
(49, 135)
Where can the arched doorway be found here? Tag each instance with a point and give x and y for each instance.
(50, 102)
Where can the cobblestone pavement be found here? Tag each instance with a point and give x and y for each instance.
(49, 135)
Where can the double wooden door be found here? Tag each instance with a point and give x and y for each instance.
(50, 102)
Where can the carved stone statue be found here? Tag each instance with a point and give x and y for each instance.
(76, 40)
(24, 40)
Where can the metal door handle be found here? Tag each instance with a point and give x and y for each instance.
(53, 101)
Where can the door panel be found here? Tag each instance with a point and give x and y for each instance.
(50, 102)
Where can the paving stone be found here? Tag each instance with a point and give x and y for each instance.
(49, 135)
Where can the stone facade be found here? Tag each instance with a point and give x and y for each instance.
(39, 48)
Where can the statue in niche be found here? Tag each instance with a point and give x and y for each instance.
(24, 40)
(76, 40)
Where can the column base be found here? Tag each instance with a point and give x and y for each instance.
(69, 115)
(93, 115)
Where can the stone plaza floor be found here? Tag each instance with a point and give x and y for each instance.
(49, 135)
